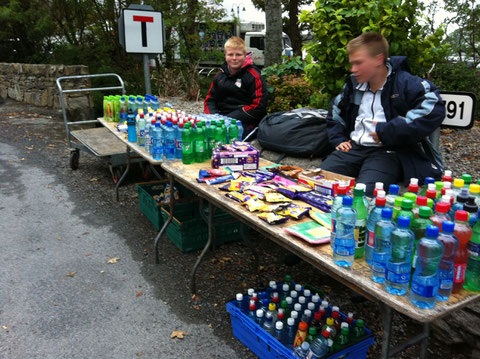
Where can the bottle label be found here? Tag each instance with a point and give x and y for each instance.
(360, 233)
(187, 148)
(399, 278)
(334, 225)
(142, 133)
(459, 272)
(344, 251)
(199, 146)
(427, 291)
(445, 284)
(378, 267)
(371, 238)
(473, 249)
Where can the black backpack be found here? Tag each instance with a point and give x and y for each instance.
(299, 133)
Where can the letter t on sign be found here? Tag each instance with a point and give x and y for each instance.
(143, 20)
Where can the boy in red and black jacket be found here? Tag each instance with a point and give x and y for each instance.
(238, 90)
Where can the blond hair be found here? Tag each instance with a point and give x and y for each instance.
(237, 43)
(375, 44)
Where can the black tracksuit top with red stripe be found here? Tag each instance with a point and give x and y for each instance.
(242, 96)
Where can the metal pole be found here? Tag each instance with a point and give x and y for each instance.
(146, 72)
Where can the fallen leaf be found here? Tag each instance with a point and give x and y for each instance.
(85, 233)
(178, 334)
(88, 254)
(94, 179)
(59, 238)
(113, 260)
(210, 325)
(139, 354)
(71, 274)
(29, 148)
(197, 307)
(195, 297)
(51, 146)
(212, 276)
(139, 294)
(22, 159)
(102, 271)
(4, 327)
(55, 304)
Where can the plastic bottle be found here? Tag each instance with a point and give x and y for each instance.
(458, 184)
(413, 186)
(378, 187)
(342, 339)
(312, 333)
(272, 309)
(438, 188)
(218, 134)
(132, 131)
(187, 139)
(301, 334)
(157, 146)
(169, 149)
(290, 332)
(472, 274)
(374, 216)
(427, 181)
(446, 270)
(421, 201)
(419, 228)
(278, 332)
(233, 133)
(268, 325)
(224, 131)
(199, 144)
(319, 346)
(475, 192)
(397, 207)
(259, 317)
(460, 201)
(441, 214)
(446, 187)
(467, 180)
(431, 193)
(252, 310)
(141, 125)
(361, 221)
(336, 318)
(344, 247)
(211, 138)
(411, 196)
(336, 204)
(330, 324)
(358, 330)
(406, 210)
(301, 351)
(239, 302)
(123, 105)
(350, 321)
(240, 130)
(381, 251)
(399, 264)
(447, 176)
(424, 289)
(179, 141)
(393, 191)
(294, 315)
(463, 232)
(139, 103)
(472, 208)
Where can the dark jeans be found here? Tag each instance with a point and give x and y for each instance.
(367, 164)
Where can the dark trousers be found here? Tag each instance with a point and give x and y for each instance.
(367, 164)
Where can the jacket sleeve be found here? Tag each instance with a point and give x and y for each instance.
(426, 113)
(336, 126)
(257, 109)
(210, 105)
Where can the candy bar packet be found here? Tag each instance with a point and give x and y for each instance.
(275, 207)
(274, 197)
(254, 204)
(272, 218)
(239, 197)
(294, 211)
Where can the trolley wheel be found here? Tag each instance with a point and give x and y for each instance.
(74, 159)
(117, 174)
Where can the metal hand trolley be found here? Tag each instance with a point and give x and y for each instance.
(98, 141)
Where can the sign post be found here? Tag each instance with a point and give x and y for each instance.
(141, 31)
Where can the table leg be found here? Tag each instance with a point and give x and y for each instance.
(158, 175)
(124, 174)
(205, 249)
(424, 342)
(387, 330)
(167, 222)
(246, 239)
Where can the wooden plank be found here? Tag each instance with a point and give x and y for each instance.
(100, 141)
(320, 256)
(140, 150)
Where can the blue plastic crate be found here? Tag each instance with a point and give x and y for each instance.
(265, 346)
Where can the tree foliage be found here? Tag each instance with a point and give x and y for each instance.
(335, 22)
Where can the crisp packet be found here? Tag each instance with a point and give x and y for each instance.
(272, 218)
(275, 207)
(274, 197)
(237, 196)
(254, 204)
(294, 211)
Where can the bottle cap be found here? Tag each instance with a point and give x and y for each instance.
(387, 213)
(157, 124)
(294, 314)
(308, 313)
(305, 346)
(474, 188)
(307, 293)
(438, 185)
(448, 226)
(303, 326)
(414, 180)
(281, 315)
(404, 221)
(447, 185)
(312, 331)
(398, 201)
(293, 294)
(239, 297)
(281, 310)
(288, 278)
(406, 204)
(379, 185)
(410, 196)
(393, 189)
(335, 309)
(345, 330)
(291, 321)
(424, 211)
(431, 194)
(347, 200)
(461, 215)
(344, 325)
(429, 180)
(252, 306)
(360, 323)
(289, 300)
(311, 306)
(442, 207)
(432, 231)
(259, 313)
(297, 307)
(250, 291)
(272, 307)
(317, 315)
(325, 303)
(342, 190)
(467, 179)
(268, 315)
(471, 205)
(285, 287)
(330, 321)
(265, 302)
(326, 333)
(301, 299)
(315, 299)
(458, 182)
(350, 315)
(381, 194)
(421, 201)
(298, 287)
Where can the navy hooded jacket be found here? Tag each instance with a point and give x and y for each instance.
(242, 96)
(413, 111)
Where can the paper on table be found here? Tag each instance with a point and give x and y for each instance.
(311, 231)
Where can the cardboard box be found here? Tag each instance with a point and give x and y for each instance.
(326, 185)
(236, 160)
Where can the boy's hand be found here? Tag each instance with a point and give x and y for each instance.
(344, 146)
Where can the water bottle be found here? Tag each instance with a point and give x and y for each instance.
(475, 192)
(252, 311)
(141, 125)
(399, 265)
(458, 184)
(295, 316)
(179, 141)
(259, 317)
(374, 216)
(169, 136)
(463, 232)
(278, 332)
(187, 140)
(344, 247)
(132, 131)
(446, 269)
(157, 147)
(343, 339)
(441, 214)
(361, 221)
(406, 209)
(319, 346)
(472, 274)
(378, 187)
(301, 351)
(154, 103)
(336, 204)
(431, 193)
(240, 130)
(419, 228)
(424, 289)
(268, 325)
(139, 103)
(393, 191)
(381, 251)
(131, 105)
(302, 302)
(290, 332)
(123, 105)
(413, 186)
(239, 301)
(146, 104)
(461, 199)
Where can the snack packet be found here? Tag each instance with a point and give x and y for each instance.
(237, 196)
(274, 197)
(254, 204)
(272, 218)
(294, 211)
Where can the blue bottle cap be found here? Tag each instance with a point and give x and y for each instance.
(394, 189)
(265, 302)
(387, 213)
(239, 122)
(169, 124)
(131, 98)
(432, 231)
(122, 98)
(403, 221)
(157, 124)
(429, 180)
(347, 201)
(448, 226)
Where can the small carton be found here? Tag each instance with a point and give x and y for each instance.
(239, 156)
(324, 182)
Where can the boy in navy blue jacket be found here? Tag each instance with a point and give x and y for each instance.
(379, 124)
(239, 90)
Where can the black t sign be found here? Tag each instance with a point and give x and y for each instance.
(143, 20)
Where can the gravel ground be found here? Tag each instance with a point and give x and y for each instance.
(229, 269)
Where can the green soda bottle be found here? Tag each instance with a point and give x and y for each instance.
(224, 132)
(406, 210)
(412, 197)
(233, 132)
(312, 333)
(397, 207)
(116, 108)
(361, 223)
(419, 228)
(211, 137)
(467, 179)
(358, 331)
(219, 135)
(439, 186)
(472, 274)
(206, 155)
(342, 339)
(199, 144)
(187, 140)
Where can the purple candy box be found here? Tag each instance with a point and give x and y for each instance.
(245, 160)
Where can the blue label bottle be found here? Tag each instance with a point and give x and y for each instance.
(446, 270)
(344, 246)
(381, 251)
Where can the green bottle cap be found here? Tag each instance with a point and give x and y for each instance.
(429, 203)
(467, 178)
(345, 331)
(312, 331)
(398, 201)
(288, 278)
(411, 196)
(478, 181)
(439, 185)
(283, 304)
(188, 125)
(424, 212)
(358, 192)
(407, 204)
(360, 323)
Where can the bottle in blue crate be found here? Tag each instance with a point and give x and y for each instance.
(295, 316)
(301, 351)
(330, 325)
(288, 280)
(302, 302)
(252, 314)
(268, 325)
(307, 316)
(342, 340)
(298, 308)
(399, 265)
(278, 332)
(311, 307)
(320, 345)
(446, 270)
(272, 288)
(358, 330)
(308, 295)
(312, 333)
(294, 296)
(285, 291)
(299, 289)
(264, 304)
(424, 289)
(272, 309)
(374, 216)
(290, 332)
(344, 246)
(290, 305)
(336, 318)
(316, 302)
(281, 315)
(381, 251)
(259, 317)
(328, 310)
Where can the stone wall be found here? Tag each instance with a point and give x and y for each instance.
(36, 85)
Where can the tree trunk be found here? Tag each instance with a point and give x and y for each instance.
(294, 28)
(273, 34)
